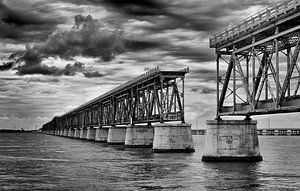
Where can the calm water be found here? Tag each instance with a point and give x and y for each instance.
(44, 162)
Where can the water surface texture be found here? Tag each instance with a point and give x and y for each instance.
(45, 162)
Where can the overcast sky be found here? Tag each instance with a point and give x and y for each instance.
(56, 55)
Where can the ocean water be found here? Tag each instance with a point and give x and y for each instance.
(31, 161)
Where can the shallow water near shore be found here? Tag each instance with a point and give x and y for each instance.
(30, 161)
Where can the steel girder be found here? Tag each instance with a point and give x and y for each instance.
(157, 96)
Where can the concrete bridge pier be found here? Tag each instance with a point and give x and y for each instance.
(61, 132)
(139, 136)
(116, 135)
(71, 133)
(76, 133)
(91, 133)
(170, 137)
(231, 140)
(66, 131)
(83, 132)
(101, 134)
(56, 132)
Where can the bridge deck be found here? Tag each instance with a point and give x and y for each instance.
(259, 22)
(155, 96)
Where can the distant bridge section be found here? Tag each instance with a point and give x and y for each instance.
(257, 70)
(156, 96)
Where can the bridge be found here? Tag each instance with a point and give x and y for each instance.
(257, 73)
(126, 114)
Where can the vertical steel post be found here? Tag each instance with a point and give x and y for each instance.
(218, 85)
(288, 67)
(266, 81)
(161, 100)
(234, 79)
(234, 83)
(182, 115)
(247, 75)
(277, 67)
(253, 71)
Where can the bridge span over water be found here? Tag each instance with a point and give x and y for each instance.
(257, 73)
(126, 114)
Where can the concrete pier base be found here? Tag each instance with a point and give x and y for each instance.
(116, 135)
(139, 136)
(101, 134)
(56, 132)
(71, 133)
(66, 131)
(231, 140)
(173, 138)
(61, 132)
(76, 133)
(91, 133)
(83, 132)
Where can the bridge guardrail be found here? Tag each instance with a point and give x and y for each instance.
(256, 20)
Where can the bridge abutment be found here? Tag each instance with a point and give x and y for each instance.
(77, 133)
(170, 137)
(71, 133)
(91, 133)
(231, 140)
(101, 134)
(83, 132)
(116, 135)
(139, 136)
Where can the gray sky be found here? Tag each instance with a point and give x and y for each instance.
(56, 55)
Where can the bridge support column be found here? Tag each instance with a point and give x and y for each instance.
(101, 134)
(231, 140)
(61, 132)
(66, 131)
(116, 135)
(91, 133)
(71, 133)
(139, 136)
(173, 138)
(83, 132)
(76, 133)
(56, 132)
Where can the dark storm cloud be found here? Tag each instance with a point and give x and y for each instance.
(86, 39)
(29, 62)
(137, 7)
(6, 66)
(23, 26)
(93, 74)
(134, 45)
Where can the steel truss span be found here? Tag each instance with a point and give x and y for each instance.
(156, 96)
(257, 67)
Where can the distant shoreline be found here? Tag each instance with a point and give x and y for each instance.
(15, 131)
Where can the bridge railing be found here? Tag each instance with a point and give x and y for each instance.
(256, 20)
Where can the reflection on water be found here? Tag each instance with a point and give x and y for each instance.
(43, 162)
